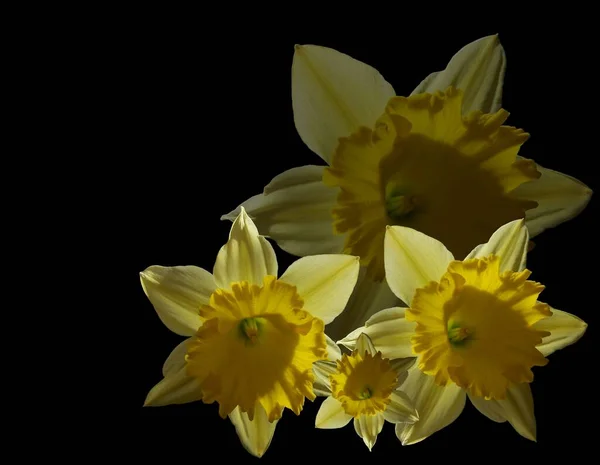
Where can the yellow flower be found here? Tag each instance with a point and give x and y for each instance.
(252, 337)
(363, 386)
(441, 155)
(475, 326)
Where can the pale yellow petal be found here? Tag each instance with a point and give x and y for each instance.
(401, 409)
(478, 69)
(333, 350)
(331, 415)
(437, 406)
(323, 370)
(368, 427)
(175, 388)
(364, 345)
(368, 298)
(324, 283)
(517, 408)
(560, 198)
(255, 435)
(177, 293)
(390, 332)
(412, 260)
(509, 243)
(295, 211)
(176, 359)
(565, 329)
(332, 95)
(246, 256)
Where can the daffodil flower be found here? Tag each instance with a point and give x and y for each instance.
(439, 157)
(476, 328)
(363, 386)
(252, 337)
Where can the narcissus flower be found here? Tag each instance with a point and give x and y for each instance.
(253, 337)
(475, 326)
(439, 156)
(363, 387)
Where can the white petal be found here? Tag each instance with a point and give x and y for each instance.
(368, 427)
(412, 260)
(332, 95)
(295, 211)
(364, 345)
(478, 68)
(517, 408)
(175, 388)
(401, 367)
(333, 350)
(565, 329)
(176, 359)
(401, 409)
(324, 282)
(177, 293)
(255, 435)
(322, 370)
(560, 198)
(368, 298)
(246, 256)
(390, 332)
(331, 415)
(437, 406)
(509, 242)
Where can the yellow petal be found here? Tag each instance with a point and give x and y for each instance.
(295, 211)
(177, 293)
(246, 256)
(332, 95)
(331, 415)
(437, 406)
(401, 409)
(559, 197)
(368, 427)
(390, 332)
(478, 69)
(255, 435)
(368, 298)
(324, 283)
(175, 388)
(517, 408)
(565, 329)
(412, 260)
(510, 243)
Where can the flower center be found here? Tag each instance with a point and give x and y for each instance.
(257, 344)
(363, 383)
(424, 166)
(474, 327)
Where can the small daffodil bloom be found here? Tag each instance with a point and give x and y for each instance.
(441, 155)
(475, 327)
(363, 387)
(252, 337)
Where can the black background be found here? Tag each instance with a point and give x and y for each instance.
(207, 116)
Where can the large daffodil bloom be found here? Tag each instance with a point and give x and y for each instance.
(441, 156)
(363, 387)
(253, 337)
(475, 326)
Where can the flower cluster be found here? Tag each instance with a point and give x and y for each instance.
(411, 292)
